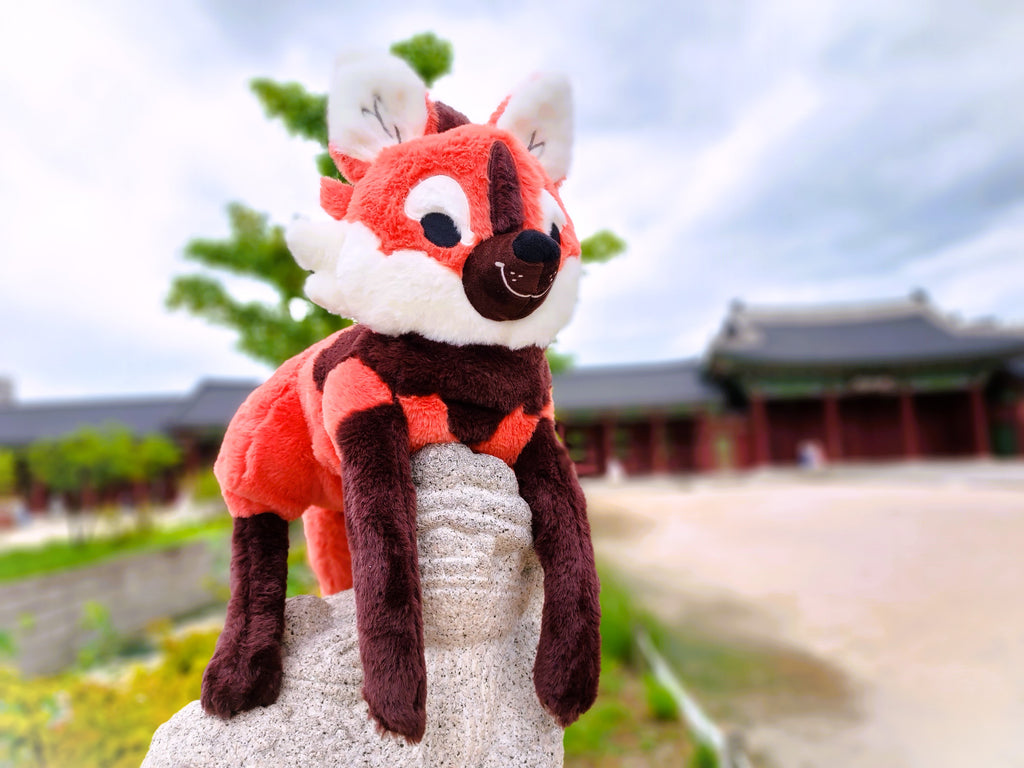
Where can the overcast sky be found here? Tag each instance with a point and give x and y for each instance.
(776, 152)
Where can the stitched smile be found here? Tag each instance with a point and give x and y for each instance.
(501, 267)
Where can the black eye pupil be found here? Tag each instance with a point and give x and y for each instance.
(439, 229)
(555, 234)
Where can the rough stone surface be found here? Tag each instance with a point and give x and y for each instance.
(482, 597)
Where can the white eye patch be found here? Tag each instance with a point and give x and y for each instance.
(441, 195)
(551, 211)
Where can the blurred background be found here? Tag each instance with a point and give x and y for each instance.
(793, 386)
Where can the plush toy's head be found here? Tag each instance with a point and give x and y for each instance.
(451, 230)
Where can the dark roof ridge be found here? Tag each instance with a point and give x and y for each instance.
(95, 401)
(813, 314)
(225, 383)
(642, 367)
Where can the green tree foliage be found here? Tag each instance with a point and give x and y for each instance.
(601, 246)
(50, 464)
(428, 55)
(273, 332)
(98, 458)
(157, 455)
(270, 333)
(7, 472)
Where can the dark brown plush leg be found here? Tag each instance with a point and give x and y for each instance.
(245, 671)
(568, 663)
(380, 514)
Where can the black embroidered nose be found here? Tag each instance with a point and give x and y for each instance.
(535, 247)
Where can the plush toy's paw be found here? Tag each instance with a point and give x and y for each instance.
(241, 681)
(566, 678)
(402, 710)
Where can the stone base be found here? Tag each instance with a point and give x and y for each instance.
(482, 596)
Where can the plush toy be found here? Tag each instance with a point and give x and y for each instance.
(452, 251)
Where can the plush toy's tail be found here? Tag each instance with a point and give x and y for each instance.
(327, 548)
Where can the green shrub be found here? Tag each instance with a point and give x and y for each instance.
(660, 703)
(618, 621)
(75, 720)
(205, 486)
(703, 757)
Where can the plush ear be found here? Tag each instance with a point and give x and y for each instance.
(539, 114)
(376, 101)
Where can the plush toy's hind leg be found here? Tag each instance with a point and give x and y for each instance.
(327, 548)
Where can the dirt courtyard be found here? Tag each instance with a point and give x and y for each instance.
(907, 579)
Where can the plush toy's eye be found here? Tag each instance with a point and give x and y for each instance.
(439, 229)
(442, 209)
(554, 216)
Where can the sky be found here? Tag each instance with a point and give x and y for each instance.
(775, 152)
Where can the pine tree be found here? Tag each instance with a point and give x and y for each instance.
(273, 332)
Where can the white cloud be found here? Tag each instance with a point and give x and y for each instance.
(774, 152)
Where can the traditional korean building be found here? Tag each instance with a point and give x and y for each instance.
(649, 418)
(883, 381)
(874, 382)
(195, 421)
(862, 383)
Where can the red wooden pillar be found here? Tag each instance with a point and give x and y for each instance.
(190, 448)
(908, 424)
(759, 430)
(659, 444)
(833, 427)
(979, 419)
(37, 497)
(606, 451)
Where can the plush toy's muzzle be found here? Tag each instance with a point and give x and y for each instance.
(508, 276)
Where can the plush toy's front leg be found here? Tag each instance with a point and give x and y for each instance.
(568, 661)
(245, 670)
(380, 514)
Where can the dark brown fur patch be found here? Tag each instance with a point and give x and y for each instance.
(245, 671)
(567, 666)
(503, 191)
(448, 117)
(490, 377)
(336, 354)
(380, 512)
(472, 424)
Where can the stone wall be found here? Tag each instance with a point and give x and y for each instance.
(43, 614)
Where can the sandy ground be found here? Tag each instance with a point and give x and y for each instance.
(910, 580)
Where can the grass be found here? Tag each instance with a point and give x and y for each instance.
(736, 678)
(634, 720)
(61, 555)
(620, 728)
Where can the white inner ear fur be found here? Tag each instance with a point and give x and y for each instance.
(376, 101)
(441, 194)
(407, 291)
(539, 114)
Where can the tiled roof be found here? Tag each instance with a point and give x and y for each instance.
(904, 332)
(211, 405)
(661, 385)
(23, 424)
